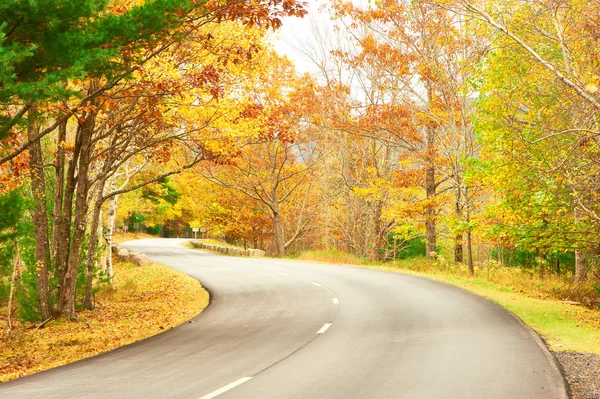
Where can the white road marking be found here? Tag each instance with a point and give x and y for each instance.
(335, 300)
(321, 331)
(226, 388)
(317, 284)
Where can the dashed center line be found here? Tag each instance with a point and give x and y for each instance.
(317, 284)
(226, 388)
(335, 300)
(321, 331)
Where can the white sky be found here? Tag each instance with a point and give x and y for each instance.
(297, 32)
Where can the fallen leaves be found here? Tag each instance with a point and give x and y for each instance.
(145, 302)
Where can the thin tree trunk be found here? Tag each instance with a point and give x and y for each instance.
(93, 245)
(59, 191)
(66, 299)
(40, 221)
(279, 235)
(580, 267)
(377, 235)
(580, 261)
(110, 231)
(100, 235)
(430, 225)
(430, 191)
(458, 237)
(469, 233)
(64, 220)
(13, 281)
(470, 252)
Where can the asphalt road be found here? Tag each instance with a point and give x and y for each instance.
(282, 329)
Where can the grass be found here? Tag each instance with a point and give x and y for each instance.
(146, 301)
(332, 256)
(540, 303)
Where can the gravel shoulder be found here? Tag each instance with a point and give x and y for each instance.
(583, 373)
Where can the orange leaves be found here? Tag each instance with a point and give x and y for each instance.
(12, 174)
(208, 78)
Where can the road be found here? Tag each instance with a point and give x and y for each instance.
(285, 330)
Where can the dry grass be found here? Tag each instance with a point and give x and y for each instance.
(122, 237)
(146, 301)
(332, 256)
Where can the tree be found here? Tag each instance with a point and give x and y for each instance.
(107, 107)
(538, 120)
(275, 167)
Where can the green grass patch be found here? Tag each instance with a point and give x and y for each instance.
(540, 303)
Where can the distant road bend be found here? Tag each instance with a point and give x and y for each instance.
(279, 329)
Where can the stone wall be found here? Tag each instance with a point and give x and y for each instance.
(256, 253)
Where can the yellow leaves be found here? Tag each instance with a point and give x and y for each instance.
(591, 88)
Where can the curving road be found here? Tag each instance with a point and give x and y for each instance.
(279, 329)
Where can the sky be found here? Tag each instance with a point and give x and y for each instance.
(297, 32)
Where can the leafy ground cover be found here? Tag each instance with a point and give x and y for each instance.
(145, 301)
(543, 304)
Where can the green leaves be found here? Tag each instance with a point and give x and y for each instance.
(45, 44)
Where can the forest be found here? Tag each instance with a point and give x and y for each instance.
(463, 131)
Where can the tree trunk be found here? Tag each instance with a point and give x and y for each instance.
(580, 262)
(40, 221)
(470, 252)
(63, 221)
(469, 233)
(580, 267)
(458, 247)
(59, 192)
(67, 295)
(430, 225)
(377, 234)
(430, 190)
(13, 281)
(110, 231)
(279, 237)
(93, 245)
(458, 237)
(100, 234)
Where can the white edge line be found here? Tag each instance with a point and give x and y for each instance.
(317, 284)
(321, 331)
(226, 388)
(335, 300)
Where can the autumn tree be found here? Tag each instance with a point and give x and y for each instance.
(89, 82)
(538, 113)
(275, 167)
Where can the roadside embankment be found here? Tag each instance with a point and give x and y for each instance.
(145, 301)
